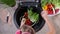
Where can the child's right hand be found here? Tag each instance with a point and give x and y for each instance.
(50, 25)
(44, 14)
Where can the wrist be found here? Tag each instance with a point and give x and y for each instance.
(45, 18)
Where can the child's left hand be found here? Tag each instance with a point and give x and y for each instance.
(23, 21)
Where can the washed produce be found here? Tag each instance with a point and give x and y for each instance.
(52, 6)
(28, 22)
(33, 16)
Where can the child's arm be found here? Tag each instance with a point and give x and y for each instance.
(50, 25)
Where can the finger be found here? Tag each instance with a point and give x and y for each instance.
(23, 21)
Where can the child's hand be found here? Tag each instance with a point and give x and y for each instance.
(5, 16)
(23, 21)
(50, 25)
(44, 14)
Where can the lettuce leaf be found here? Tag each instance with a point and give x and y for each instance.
(8, 2)
(33, 16)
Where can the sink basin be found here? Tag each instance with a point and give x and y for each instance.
(20, 12)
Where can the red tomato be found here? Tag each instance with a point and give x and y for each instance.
(28, 22)
(49, 5)
(49, 8)
(50, 11)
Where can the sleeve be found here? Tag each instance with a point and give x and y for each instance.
(18, 32)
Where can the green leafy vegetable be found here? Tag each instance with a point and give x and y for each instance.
(8, 2)
(55, 2)
(33, 16)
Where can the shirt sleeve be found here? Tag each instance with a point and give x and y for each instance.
(18, 32)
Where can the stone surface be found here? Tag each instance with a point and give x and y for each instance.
(6, 28)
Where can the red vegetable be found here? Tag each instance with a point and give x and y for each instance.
(25, 14)
(56, 10)
(49, 8)
(28, 22)
(50, 11)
